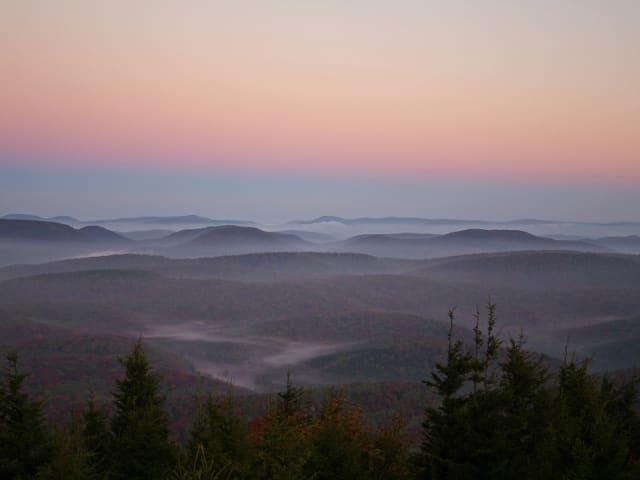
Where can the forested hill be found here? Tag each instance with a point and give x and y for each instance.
(504, 411)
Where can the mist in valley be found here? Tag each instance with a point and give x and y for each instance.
(252, 361)
(334, 301)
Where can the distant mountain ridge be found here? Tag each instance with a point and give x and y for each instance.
(625, 244)
(538, 269)
(151, 220)
(99, 234)
(38, 231)
(41, 231)
(230, 240)
(448, 221)
(458, 243)
(243, 235)
(389, 220)
(24, 216)
(512, 239)
(181, 219)
(28, 241)
(386, 221)
(252, 267)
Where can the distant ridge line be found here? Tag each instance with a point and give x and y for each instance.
(184, 219)
(389, 220)
(452, 221)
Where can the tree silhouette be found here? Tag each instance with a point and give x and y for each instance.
(25, 440)
(140, 426)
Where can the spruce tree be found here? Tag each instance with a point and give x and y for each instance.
(140, 427)
(519, 439)
(283, 444)
(446, 425)
(338, 450)
(519, 421)
(291, 400)
(219, 437)
(96, 437)
(70, 459)
(599, 425)
(25, 441)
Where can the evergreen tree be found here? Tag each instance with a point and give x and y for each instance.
(140, 426)
(25, 441)
(291, 400)
(388, 453)
(446, 425)
(283, 444)
(200, 468)
(599, 425)
(70, 459)
(96, 437)
(219, 438)
(338, 449)
(518, 421)
(518, 432)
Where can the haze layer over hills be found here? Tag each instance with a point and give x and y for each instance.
(28, 241)
(246, 303)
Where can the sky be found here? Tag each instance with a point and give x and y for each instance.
(280, 109)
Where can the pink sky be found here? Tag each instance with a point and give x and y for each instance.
(545, 89)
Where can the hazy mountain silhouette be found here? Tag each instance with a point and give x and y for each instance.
(508, 240)
(457, 243)
(147, 235)
(385, 239)
(22, 216)
(38, 240)
(99, 234)
(169, 220)
(330, 317)
(230, 240)
(626, 244)
(262, 267)
(243, 235)
(181, 236)
(314, 237)
(144, 220)
(42, 232)
(612, 345)
(388, 221)
(538, 269)
(38, 231)
(449, 221)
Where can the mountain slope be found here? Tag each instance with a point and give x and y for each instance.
(231, 234)
(97, 234)
(58, 219)
(37, 231)
(541, 270)
(231, 240)
(612, 345)
(144, 297)
(457, 243)
(266, 267)
(34, 241)
(626, 244)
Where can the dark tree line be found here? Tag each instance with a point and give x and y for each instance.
(503, 414)
(291, 441)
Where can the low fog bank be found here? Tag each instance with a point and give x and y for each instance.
(250, 361)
